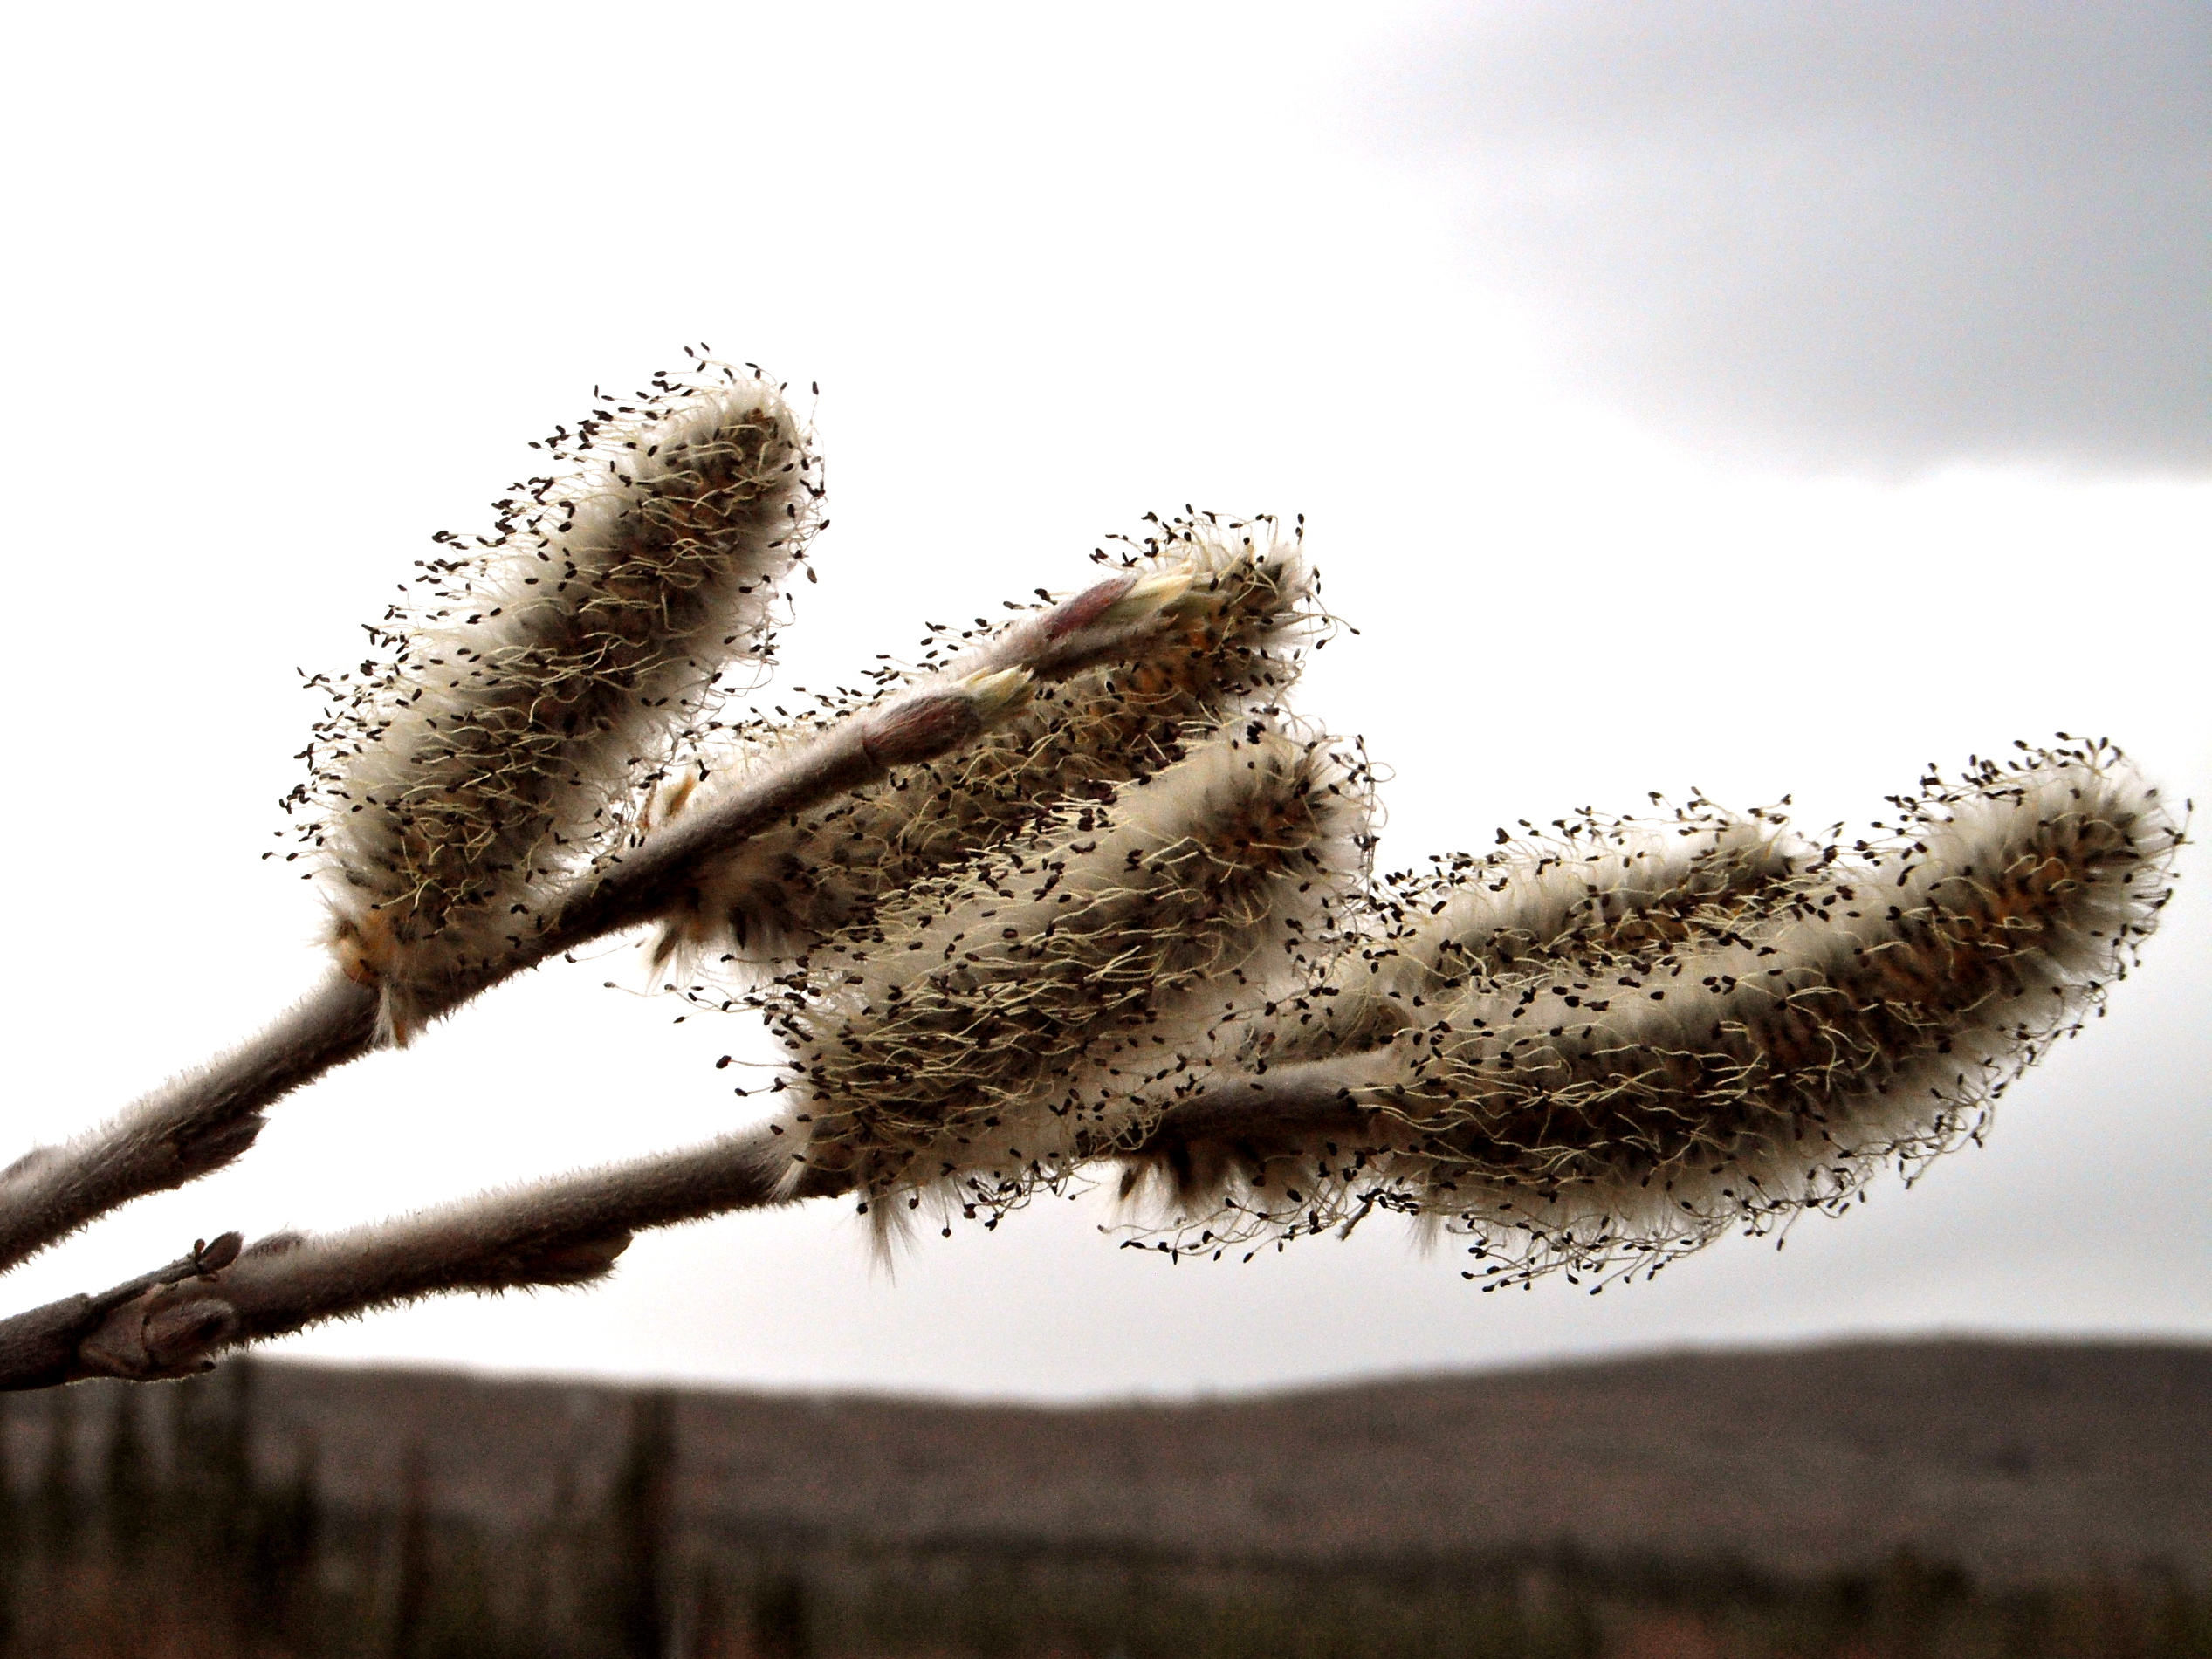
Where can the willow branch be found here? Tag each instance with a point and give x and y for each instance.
(190, 1127)
(1924, 1009)
(39, 1349)
(565, 1232)
(562, 1232)
(207, 1118)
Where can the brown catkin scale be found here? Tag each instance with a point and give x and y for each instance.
(1225, 646)
(552, 673)
(1593, 1112)
(982, 1025)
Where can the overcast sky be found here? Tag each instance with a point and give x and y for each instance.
(1767, 400)
(1891, 234)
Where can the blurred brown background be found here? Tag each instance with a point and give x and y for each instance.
(1932, 1498)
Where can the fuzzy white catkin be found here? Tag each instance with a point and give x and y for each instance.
(982, 1026)
(1595, 1109)
(1603, 889)
(1228, 646)
(498, 746)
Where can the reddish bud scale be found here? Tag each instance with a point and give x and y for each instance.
(1214, 652)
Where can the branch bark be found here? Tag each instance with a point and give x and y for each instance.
(567, 1231)
(191, 1126)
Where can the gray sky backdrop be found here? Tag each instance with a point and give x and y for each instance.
(1767, 398)
(1891, 234)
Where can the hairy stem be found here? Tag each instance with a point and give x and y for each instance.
(191, 1126)
(565, 1232)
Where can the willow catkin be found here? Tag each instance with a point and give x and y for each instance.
(1602, 890)
(548, 677)
(982, 1025)
(1593, 1110)
(1223, 646)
